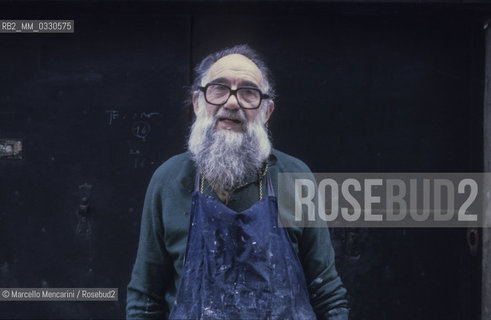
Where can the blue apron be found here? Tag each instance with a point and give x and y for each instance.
(240, 265)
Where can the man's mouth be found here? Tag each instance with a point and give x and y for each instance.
(230, 120)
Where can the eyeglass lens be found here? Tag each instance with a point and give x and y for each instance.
(247, 97)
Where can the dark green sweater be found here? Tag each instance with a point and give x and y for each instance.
(164, 228)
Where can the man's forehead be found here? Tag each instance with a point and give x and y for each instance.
(236, 67)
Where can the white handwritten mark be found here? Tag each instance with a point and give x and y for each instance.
(141, 129)
(113, 114)
(148, 114)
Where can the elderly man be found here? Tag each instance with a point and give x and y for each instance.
(210, 245)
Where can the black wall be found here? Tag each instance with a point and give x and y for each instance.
(362, 88)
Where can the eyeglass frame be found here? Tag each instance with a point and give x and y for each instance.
(234, 93)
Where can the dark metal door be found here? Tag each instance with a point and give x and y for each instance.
(361, 89)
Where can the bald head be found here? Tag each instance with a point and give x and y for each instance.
(203, 68)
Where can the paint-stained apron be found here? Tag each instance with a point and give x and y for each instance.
(240, 265)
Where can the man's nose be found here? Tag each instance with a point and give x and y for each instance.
(232, 102)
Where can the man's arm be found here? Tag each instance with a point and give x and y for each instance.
(145, 292)
(315, 250)
(327, 293)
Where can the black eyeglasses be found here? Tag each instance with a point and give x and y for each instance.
(248, 97)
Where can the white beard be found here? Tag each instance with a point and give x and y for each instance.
(228, 157)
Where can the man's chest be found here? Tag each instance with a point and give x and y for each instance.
(176, 217)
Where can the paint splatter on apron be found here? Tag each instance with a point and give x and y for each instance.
(240, 265)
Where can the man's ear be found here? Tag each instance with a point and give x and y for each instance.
(270, 111)
(195, 102)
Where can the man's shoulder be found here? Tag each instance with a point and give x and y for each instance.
(174, 162)
(175, 168)
(289, 163)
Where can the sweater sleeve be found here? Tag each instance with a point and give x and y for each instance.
(149, 278)
(327, 293)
